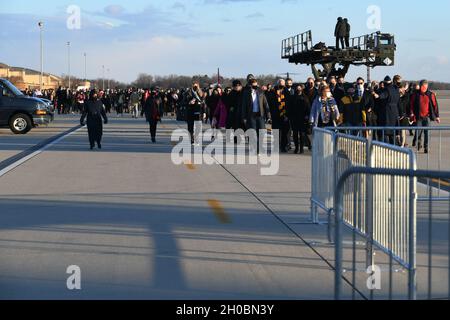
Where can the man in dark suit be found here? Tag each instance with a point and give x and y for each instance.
(255, 108)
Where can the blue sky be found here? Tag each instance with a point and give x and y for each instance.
(196, 37)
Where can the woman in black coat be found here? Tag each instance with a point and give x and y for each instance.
(95, 113)
(152, 113)
(298, 114)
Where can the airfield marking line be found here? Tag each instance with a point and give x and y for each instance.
(442, 182)
(219, 211)
(36, 153)
(190, 166)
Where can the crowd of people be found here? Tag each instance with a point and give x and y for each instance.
(296, 108)
(292, 108)
(130, 101)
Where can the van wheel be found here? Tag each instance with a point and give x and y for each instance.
(20, 124)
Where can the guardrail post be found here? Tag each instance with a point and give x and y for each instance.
(313, 180)
(369, 210)
(338, 245)
(412, 276)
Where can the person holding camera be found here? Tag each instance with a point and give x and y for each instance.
(194, 112)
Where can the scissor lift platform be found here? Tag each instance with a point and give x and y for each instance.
(371, 50)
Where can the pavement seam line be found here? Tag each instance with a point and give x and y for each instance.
(288, 226)
(292, 230)
(41, 147)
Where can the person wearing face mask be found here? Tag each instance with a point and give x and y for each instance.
(289, 93)
(277, 101)
(424, 109)
(234, 106)
(298, 114)
(318, 83)
(337, 90)
(152, 113)
(332, 82)
(366, 100)
(255, 108)
(354, 107)
(311, 90)
(220, 115)
(211, 101)
(397, 81)
(95, 114)
(324, 110)
(195, 101)
(389, 110)
(368, 104)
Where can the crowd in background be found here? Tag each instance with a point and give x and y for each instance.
(296, 108)
(292, 108)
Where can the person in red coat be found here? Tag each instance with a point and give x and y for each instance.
(424, 109)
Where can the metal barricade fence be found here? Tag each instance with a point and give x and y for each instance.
(333, 154)
(352, 152)
(323, 171)
(400, 235)
(392, 200)
(411, 138)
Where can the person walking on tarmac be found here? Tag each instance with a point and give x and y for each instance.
(94, 112)
(255, 109)
(134, 103)
(424, 109)
(152, 114)
(339, 33)
(389, 110)
(298, 113)
(195, 103)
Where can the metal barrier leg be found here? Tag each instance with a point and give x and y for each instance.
(330, 215)
(448, 247)
(313, 212)
(412, 276)
(355, 208)
(430, 243)
(338, 252)
(391, 239)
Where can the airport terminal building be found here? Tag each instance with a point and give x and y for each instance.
(24, 78)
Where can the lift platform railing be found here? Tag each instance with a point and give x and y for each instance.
(296, 44)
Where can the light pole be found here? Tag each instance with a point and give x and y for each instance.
(85, 66)
(103, 67)
(41, 76)
(109, 79)
(68, 62)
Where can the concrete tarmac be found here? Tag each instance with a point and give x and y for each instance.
(140, 227)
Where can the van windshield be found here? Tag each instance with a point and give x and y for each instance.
(13, 89)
